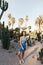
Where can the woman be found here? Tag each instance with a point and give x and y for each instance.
(22, 47)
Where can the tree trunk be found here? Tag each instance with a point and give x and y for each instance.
(39, 27)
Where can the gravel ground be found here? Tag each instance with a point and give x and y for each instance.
(9, 57)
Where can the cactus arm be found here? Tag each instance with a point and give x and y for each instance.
(5, 6)
(1, 14)
(0, 3)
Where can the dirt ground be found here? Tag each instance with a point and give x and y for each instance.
(9, 57)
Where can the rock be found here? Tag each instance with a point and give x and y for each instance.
(14, 45)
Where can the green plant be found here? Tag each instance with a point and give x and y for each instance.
(3, 6)
(16, 34)
(38, 36)
(42, 61)
(11, 33)
(42, 36)
(5, 38)
(41, 55)
(0, 29)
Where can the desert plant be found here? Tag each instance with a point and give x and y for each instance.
(41, 55)
(11, 33)
(38, 36)
(3, 6)
(0, 29)
(5, 38)
(42, 36)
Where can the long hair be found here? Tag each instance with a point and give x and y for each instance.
(22, 33)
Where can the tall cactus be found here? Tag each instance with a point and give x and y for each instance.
(0, 3)
(5, 37)
(3, 6)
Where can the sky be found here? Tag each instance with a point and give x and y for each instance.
(21, 8)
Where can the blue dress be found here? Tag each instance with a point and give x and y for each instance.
(23, 44)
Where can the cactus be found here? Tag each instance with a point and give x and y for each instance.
(5, 38)
(3, 6)
(41, 53)
(38, 36)
(0, 3)
(40, 56)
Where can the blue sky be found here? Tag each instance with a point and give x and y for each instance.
(21, 8)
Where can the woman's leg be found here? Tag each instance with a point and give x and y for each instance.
(19, 55)
(23, 54)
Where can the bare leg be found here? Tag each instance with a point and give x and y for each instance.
(23, 54)
(19, 55)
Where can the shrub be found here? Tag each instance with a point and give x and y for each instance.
(38, 36)
(41, 56)
(42, 36)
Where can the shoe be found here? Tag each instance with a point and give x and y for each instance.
(19, 62)
(22, 61)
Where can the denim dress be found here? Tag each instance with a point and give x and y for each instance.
(23, 44)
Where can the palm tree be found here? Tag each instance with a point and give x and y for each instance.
(39, 22)
(9, 24)
(26, 22)
(20, 20)
(11, 20)
(9, 16)
(26, 18)
(29, 28)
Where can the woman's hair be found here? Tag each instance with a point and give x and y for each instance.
(22, 33)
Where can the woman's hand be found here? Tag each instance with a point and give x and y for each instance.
(22, 48)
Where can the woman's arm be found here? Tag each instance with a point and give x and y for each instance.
(20, 40)
(21, 43)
